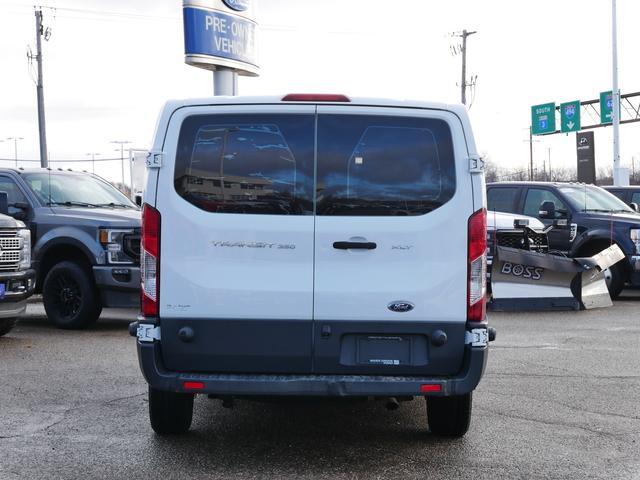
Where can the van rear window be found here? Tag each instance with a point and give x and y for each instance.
(383, 165)
(255, 164)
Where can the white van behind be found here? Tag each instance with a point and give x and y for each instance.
(313, 245)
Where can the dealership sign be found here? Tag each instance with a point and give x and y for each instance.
(220, 33)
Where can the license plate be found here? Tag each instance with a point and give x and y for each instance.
(2, 290)
(523, 271)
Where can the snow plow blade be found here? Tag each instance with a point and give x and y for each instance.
(524, 280)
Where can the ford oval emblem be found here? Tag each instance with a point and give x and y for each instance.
(400, 306)
(237, 5)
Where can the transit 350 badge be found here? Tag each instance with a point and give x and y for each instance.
(237, 5)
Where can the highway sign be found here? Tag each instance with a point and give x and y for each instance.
(543, 118)
(570, 116)
(606, 107)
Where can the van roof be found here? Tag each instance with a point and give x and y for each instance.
(277, 99)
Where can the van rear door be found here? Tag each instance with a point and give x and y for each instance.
(394, 195)
(236, 261)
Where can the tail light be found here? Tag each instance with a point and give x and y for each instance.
(477, 267)
(150, 261)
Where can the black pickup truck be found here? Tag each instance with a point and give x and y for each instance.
(85, 238)
(596, 219)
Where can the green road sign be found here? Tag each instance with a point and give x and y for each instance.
(570, 116)
(543, 118)
(606, 107)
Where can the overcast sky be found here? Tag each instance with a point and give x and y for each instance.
(110, 64)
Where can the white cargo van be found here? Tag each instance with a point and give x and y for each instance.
(313, 245)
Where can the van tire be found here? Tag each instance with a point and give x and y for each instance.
(6, 324)
(70, 297)
(449, 416)
(170, 412)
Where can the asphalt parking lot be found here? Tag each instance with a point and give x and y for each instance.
(559, 400)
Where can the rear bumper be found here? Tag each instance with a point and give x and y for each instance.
(149, 355)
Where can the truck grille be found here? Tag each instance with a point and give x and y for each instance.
(537, 241)
(9, 251)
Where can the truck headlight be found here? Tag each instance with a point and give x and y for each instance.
(634, 233)
(25, 248)
(113, 242)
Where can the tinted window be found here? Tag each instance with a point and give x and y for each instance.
(635, 197)
(260, 164)
(14, 194)
(536, 196)
(377, 165)
(502, 199)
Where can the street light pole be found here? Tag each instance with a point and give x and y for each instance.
(122, 143)
(15, 147)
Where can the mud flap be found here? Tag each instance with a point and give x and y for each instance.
(524, 280)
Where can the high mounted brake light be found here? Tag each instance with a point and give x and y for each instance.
(315, 97)
(477, 266)
(150, 261)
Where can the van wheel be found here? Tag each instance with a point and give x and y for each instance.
(449, 416)
(6, 324)
(70, 297)
(170, 412)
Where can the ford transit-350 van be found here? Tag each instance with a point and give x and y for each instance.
(313, 245)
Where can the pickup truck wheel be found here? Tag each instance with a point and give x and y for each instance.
(69, 296)
(6, 324)
(449, 416)
(614, 276)
(170, 412)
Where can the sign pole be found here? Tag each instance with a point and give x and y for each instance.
(530, 154)
(615, 96)
(225, 82)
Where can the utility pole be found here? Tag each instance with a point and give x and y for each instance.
(40, 89)
(463, 51)
(93, 161)
(121, 143)
(549, 162)
(15, 147)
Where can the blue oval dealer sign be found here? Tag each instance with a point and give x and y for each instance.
(237, 5)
